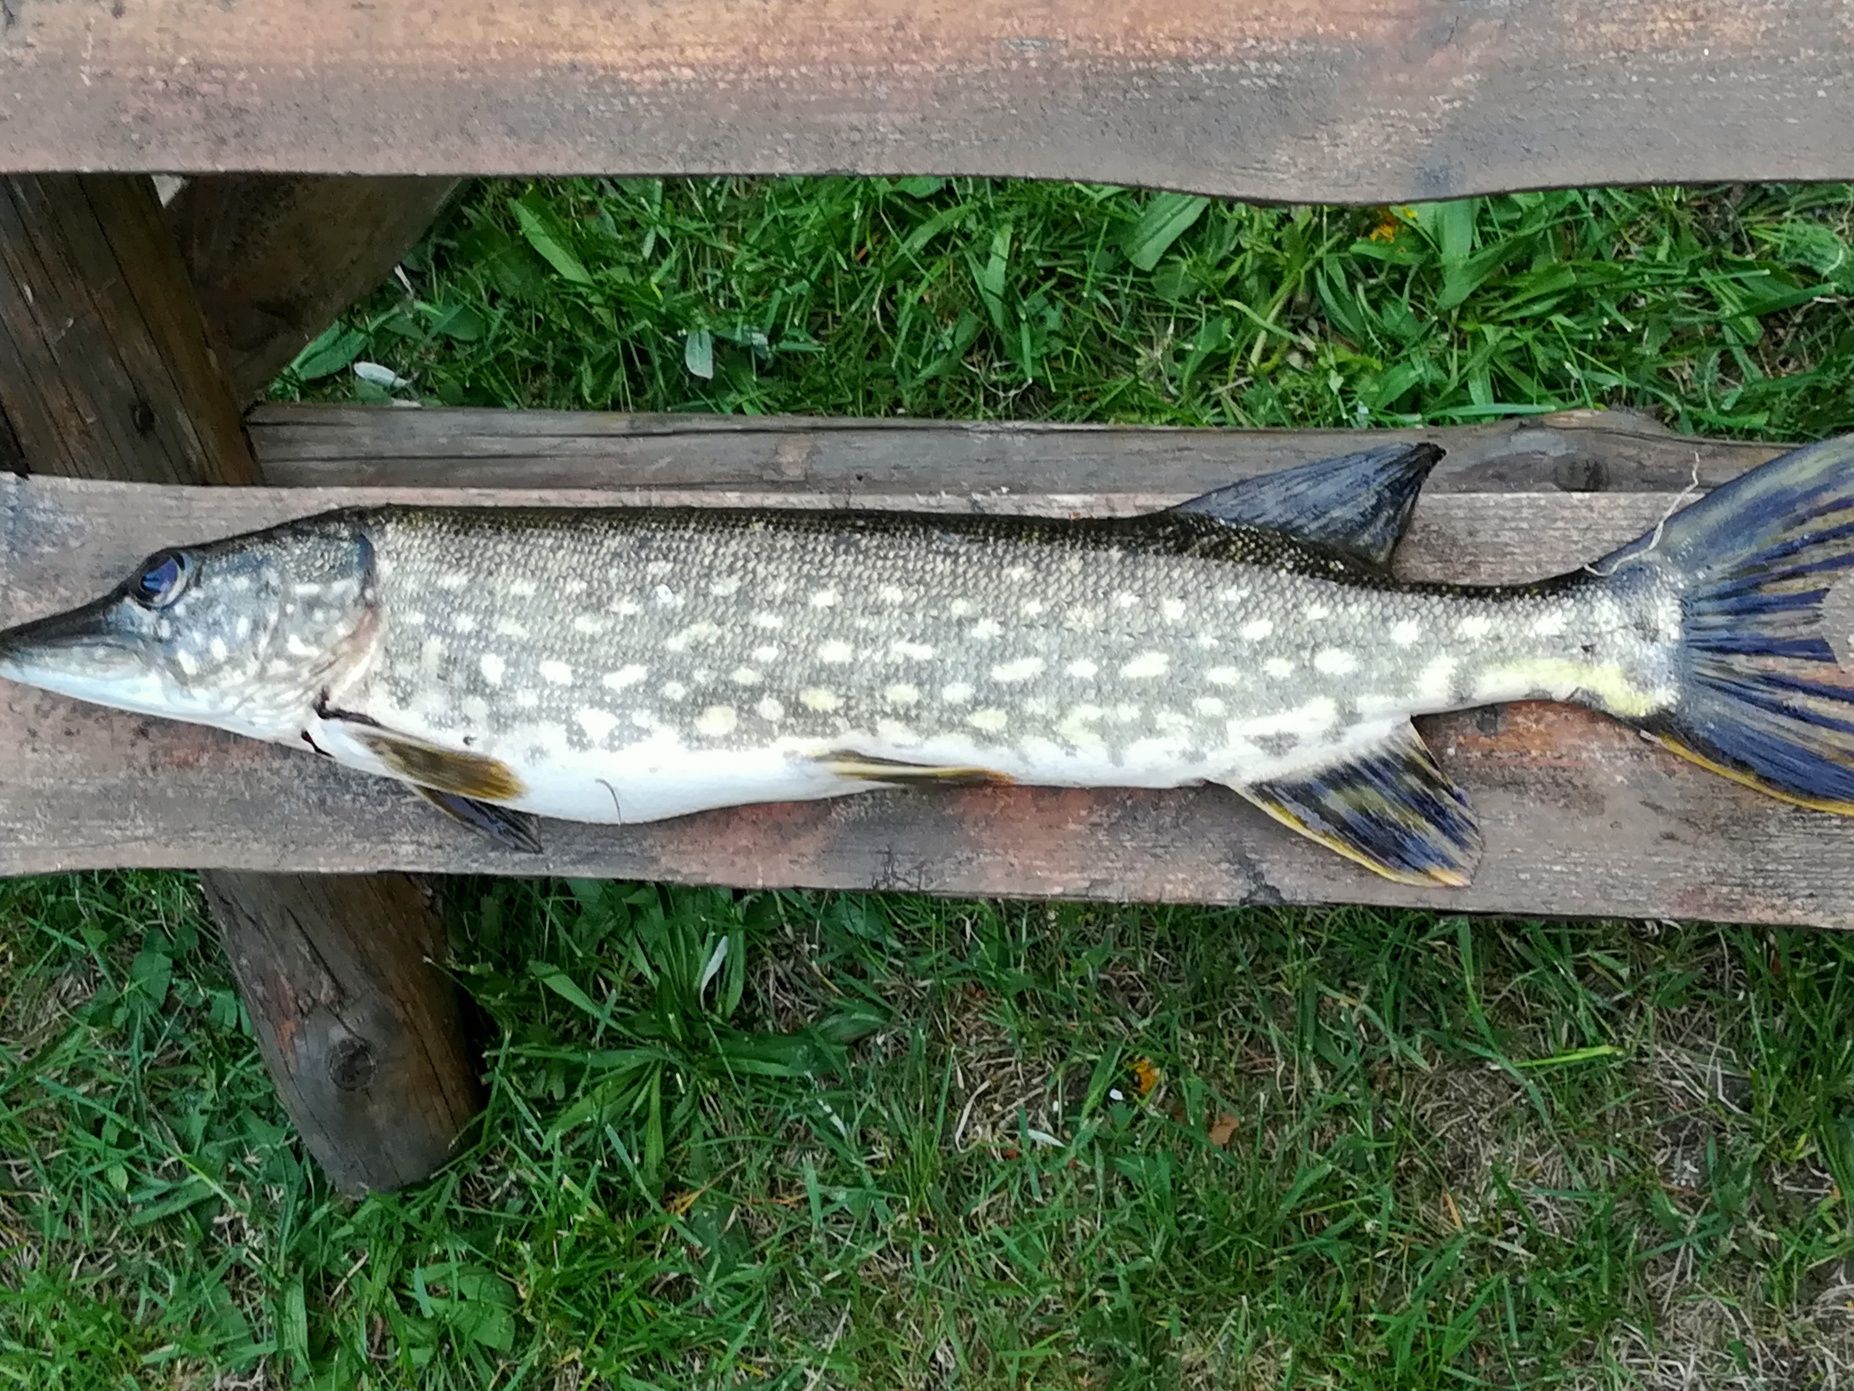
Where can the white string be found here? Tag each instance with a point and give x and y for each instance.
(1686, 495)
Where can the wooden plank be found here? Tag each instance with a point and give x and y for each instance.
(275, 260)
(106, 372)
(1572, 451)
(1375, 100)
(1582, 816)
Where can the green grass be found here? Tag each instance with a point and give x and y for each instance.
(898, 1142)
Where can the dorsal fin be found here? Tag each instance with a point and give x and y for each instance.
(1356, 503)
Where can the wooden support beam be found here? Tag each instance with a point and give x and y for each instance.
(275, 259)
(1292, 100)
(105, 372)
(1582, 816)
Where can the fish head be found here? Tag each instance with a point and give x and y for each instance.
(249, 634)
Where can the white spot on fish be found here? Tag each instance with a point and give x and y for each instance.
(559, 673)
(1278, 667)
(510, 628)
(918, 651)
(588, 624)
(596, 722)
(475, 710)
(1405, 631)
(956, 693)
(464, 623)
(990, 720)
(1475, 625)
(744, 676)
(1125, 599)
(165, 630)
(628, 675)
(1256, 629)
(766, 652)
(1550, 625)
(768, 620)
(1315, 612)
(1432, 684)
(836, 652)
(243, 629)
(667, 597)
(1334, 661)
(294, 645)
(643, 719)
(431, 656)
(769, 710)
(626, 608)
(960, 608)
(695, 632)
(573, 588)
(492, 668)
(1233, 595)
(450, 579)
(1223, 676)
(1082, 669)
(724, 587)
(673, 690)
(1017, 574)
(824, 599)
(309, 589)
(817, 698)
(716, 721)
(189, 664)
(219, 650)
(1208, 705)
(1020, 670)
(1031, 608)
(986, 629)
(1173, 609)
(895, 732)
(528, 699)
(901, 693)
(522, 588)
(1146, 666)
(1124, 714)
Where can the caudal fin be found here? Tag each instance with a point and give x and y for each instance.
(1760, 700)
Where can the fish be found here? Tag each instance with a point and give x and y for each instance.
(621, 665)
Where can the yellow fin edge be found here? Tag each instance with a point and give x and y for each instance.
(1446, 878)
(1750, 780)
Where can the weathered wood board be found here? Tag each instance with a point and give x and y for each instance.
(1374, 100)
(1581, 815)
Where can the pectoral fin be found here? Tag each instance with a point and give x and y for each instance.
(1357, 503)
(514, 830)
(1387, 806)
(467, 774)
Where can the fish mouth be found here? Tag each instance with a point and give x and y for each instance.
(91, 653)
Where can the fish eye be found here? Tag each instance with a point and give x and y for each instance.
(160, 580)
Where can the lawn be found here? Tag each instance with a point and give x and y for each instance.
(796, 1141)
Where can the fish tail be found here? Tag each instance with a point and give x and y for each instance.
(1759, 695)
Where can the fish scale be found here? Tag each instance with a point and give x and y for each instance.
(630, 664)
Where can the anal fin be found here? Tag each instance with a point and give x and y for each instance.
(511, 829)
(868, 768)
(1386, 806)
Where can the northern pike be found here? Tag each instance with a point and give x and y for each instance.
(628, 664)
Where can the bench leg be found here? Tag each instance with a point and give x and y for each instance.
(106, 372)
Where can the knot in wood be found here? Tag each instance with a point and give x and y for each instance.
(351, 1064)
(1581, 473)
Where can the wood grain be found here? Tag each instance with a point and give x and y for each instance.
(106, 372)
(1304, 100)
(1582, 816)
(275, 260)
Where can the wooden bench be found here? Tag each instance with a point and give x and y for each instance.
(132, 337)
